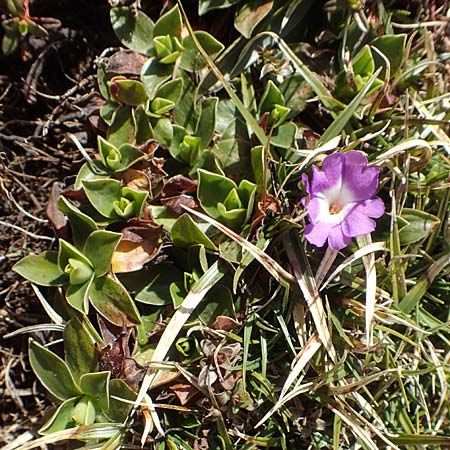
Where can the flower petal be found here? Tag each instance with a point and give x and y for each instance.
(318, 234)
(358, 221)
(331, 175)
(337, 240)
(359, 178)
(357, 224)
(373, 207)
(305, 181)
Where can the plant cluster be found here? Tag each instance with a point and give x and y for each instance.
(213, 287)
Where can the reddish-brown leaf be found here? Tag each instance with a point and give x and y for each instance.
(57, 218)
(179, 184)
(225, 323)
(177, 203)
(125, 62)
(185, 392)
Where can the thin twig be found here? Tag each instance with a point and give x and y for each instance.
(28, 233)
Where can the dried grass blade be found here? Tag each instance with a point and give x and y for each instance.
(441, 376)
(305, 280)
(190, 303)
(251, 121)
(343, 118)
(375, 247)
(82, 432)
(372, 428)
(281, 275)
(303, 358)
(403, 147)
(371, 287)
(356, 429)
(47, 307)
(35, 328)
(325, 264)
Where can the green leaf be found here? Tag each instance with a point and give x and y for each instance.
(96, 387)
(156, 292)
(11, 40)
(107, 111)
(419, 226)
(250, 14)
(271, 97)
(415, 440)
(183, 146)
(84, 411)
(133, 28)
(169, 23)
(205, 6)
(52, 372)
(191, 59)
(160, 106)
(363, 63)
(213, 189)
(167, 48)
(144, 132)
(343, 118)
(122, 129)
(113, 301)
(118, 410)
(99, 248)
(154, 74)
(94, 170)
(82, 225)
(163, 216)
(171, 90)
(42, 269)
(393, 47)
(257, 154)
(163, 131)
(102, 194)
(233, 149)
(221, 198)
(296, 93)
(118, 159)
(77, 296)
(207, 121)
(284, 135)
(177, 293)
(68, 252)
(128, 92)
(81, 355)
(421, 286)
(185, 233)
(218, 302)
(184, 111)
(62, 419)
(17, 8)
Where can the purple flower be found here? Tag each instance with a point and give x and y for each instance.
(342, 200)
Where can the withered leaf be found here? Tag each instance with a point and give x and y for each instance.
(125, 62)
(132, 373)
(57, 218)
(134, 179)
(224, 323)
(115, 355)
(149, 147)
(271, 204)
(179, 184)
(138, 246)
(176, 203)
(185, 392)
